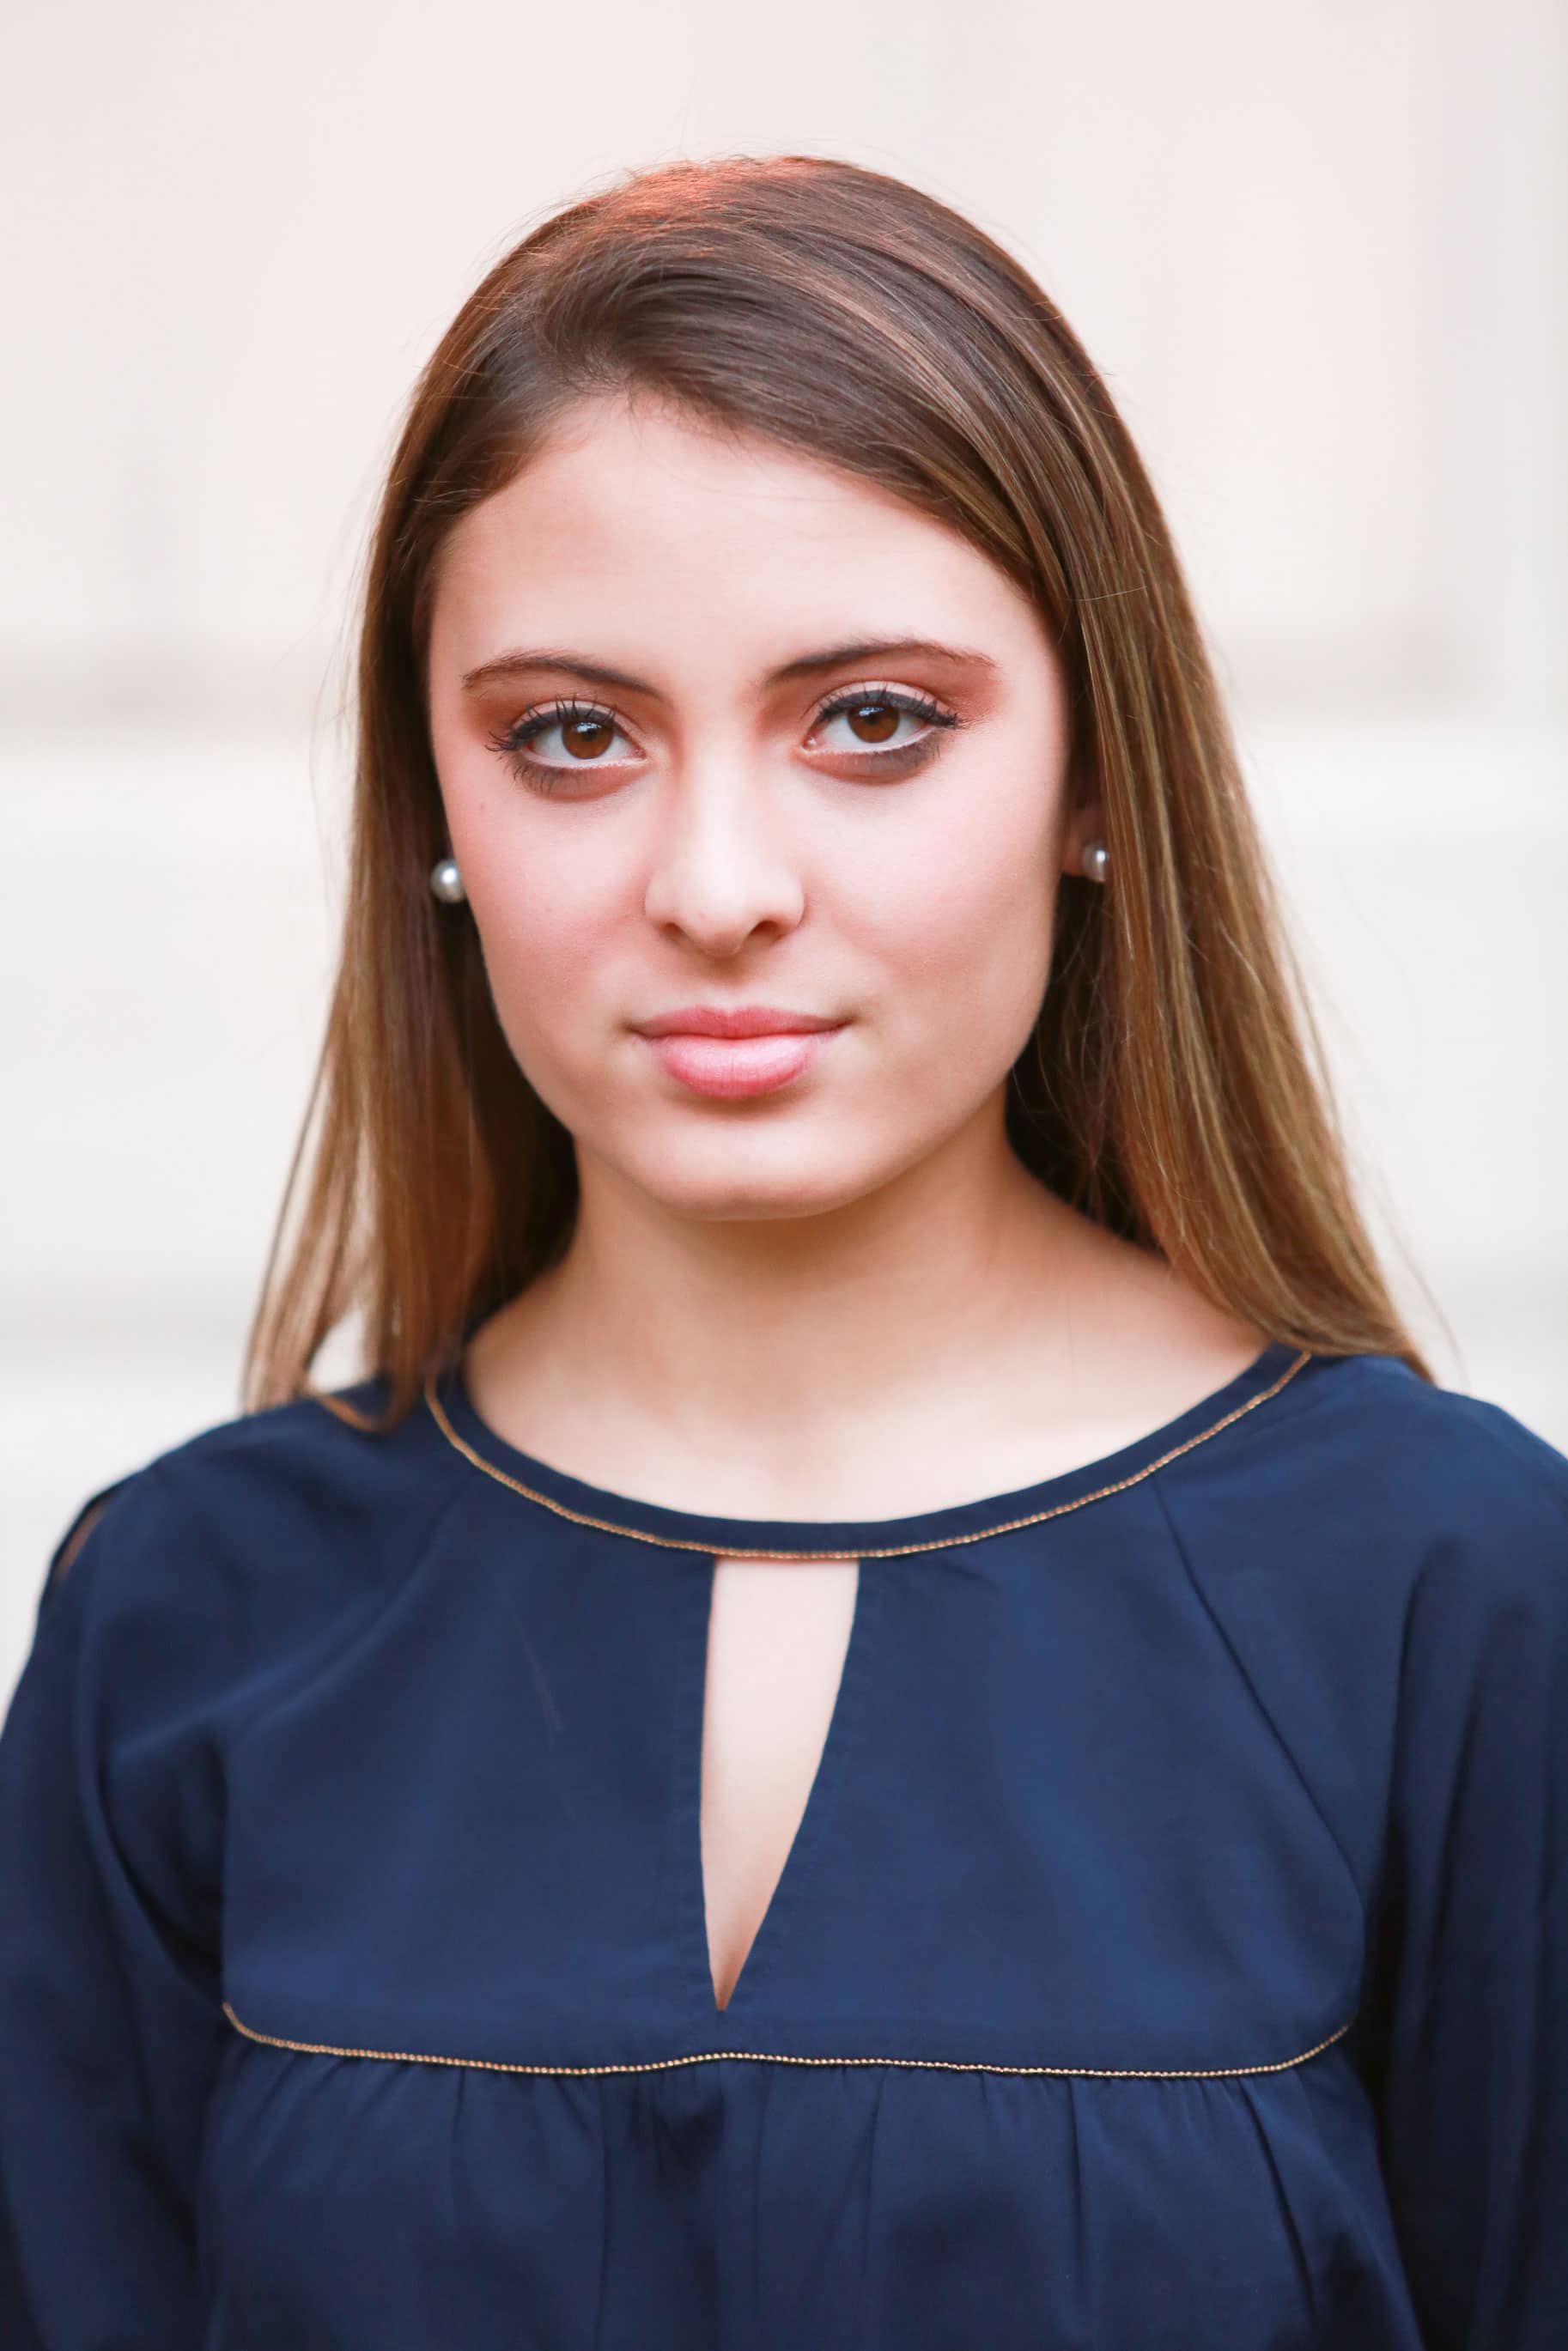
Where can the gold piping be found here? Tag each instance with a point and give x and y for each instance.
(887, 1551)
(769, 2057)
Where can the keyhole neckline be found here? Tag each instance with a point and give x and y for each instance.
(767, 1949)
(537, 1481)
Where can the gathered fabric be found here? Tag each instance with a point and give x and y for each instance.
(1173, 1952)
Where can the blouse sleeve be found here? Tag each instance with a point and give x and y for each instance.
(111, 2018)
(1469, 2037)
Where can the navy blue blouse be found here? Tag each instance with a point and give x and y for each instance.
(1172, 1955)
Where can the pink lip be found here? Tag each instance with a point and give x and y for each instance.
(742, 1021)
(731, 1068)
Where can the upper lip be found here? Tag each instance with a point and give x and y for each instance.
(745, 1021)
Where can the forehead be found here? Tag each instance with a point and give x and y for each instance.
(642, 504)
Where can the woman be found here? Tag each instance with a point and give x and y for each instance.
(592, 1836)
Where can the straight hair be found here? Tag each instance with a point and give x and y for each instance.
(1174, 1088)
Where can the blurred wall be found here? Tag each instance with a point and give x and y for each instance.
(1318, 253)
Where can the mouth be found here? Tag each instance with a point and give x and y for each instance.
(737, 1020)
(730, 1069)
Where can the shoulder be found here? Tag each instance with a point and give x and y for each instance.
(1360, 1467)
(254, 1532)
(1444, 1460)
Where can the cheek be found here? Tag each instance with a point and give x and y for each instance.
(960, 934)
(544, 937)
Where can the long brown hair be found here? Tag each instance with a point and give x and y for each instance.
(1175, 1087)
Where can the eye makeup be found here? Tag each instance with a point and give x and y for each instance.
(512, 742)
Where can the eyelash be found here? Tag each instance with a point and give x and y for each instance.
(541, 774)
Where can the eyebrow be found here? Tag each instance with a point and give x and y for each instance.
(522, 659)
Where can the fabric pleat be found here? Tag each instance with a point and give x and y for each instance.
(1172, 1955)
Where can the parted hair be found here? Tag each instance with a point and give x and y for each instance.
(1173, 1087)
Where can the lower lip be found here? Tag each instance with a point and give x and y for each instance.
(732, 1068)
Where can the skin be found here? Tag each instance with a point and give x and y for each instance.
(847, 1298)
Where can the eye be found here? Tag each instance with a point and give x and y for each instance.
(874, 715)
(586, 731)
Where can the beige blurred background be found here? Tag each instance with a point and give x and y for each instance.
(1318, 250)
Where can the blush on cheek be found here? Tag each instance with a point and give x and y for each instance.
(984, 961)
(957, 913)
(551, 1001)
(538, 1056)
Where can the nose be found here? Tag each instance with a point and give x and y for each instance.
(719, 870)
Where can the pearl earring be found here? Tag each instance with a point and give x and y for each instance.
(446, 882)
(1097, 860)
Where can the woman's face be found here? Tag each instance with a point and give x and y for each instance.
(718, 726)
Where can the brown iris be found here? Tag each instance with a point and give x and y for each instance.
(584, 737)
(880, 719)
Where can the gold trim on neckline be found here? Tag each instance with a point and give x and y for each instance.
(770, 2057)
(887, 1551)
